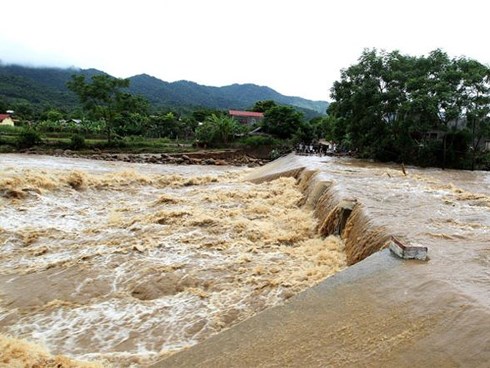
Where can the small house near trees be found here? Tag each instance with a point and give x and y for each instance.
(6, 119)
(246, 117)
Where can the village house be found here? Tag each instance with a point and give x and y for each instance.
(457, 124)
(70, 121)
(246, 117)
(6, 119)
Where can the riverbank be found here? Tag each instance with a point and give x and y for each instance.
(204, 157)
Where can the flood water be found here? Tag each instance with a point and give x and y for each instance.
(124, 264)
(446, 210)
(381, 311)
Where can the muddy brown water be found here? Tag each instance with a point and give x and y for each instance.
(381, 311)
(131, 263)
(124, 264)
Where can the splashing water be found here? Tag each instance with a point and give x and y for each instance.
(128, 263)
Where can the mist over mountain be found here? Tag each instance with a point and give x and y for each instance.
(47, 86)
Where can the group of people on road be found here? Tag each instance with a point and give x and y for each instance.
(313, 149)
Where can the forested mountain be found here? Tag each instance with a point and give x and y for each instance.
(46, 87)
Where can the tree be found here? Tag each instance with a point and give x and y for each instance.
(282, 121)
(24, 111)
(389, 106)
(264, 105)
(361, 103)
(326, 127)
(432, 100)
(163, 125)
(131, 124)
(4, 106)
(105, 100)
(28, 138)
(54, 115)
(306, 132)
(202, 114)
(187, 127)
(218, 130)
(475, 95)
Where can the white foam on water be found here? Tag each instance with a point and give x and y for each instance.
(136, 264)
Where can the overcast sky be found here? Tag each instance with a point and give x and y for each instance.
(296, 47)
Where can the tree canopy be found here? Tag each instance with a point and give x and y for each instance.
(218, 130)
(282, 121)
(264, 105)
(105, 99)
(390, 106)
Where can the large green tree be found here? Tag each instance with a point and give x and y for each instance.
(474, 93)
(362, 104)
(282, 121)
(389, 106)
(106, 99)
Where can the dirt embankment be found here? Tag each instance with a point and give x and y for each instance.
(225, 157)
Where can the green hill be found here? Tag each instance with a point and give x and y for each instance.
(45, 87)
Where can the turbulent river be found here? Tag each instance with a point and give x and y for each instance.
(123, 264)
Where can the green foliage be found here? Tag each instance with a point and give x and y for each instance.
(218, 130)
(131, 123)
(28, 138)
(91, 128)
(306, 132)
(77, 142)
(387, 105)
(45, 88)
(328, 128)
(54, 115)
(168, 124)
(4, 106)
(259, 141)
(138, 141)
(282, 121)
(67, 128)
(105, 100)
(8, 129)
(263, 106)
(49, 126)
(200, 115)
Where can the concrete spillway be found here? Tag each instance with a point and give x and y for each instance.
(382, 311)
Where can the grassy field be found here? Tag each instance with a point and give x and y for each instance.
(9, 139)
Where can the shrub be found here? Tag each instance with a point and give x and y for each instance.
(8, 129)
(274, 154)
(258, 140)
(77, 142)
(28, 138)
(116, 142)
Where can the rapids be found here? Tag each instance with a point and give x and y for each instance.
(381, 311)
(123, 264)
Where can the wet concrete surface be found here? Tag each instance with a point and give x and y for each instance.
(374, 314)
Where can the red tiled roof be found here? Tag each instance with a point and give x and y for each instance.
(246, 113)
(4, 116)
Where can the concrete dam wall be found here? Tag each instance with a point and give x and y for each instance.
(337, 213)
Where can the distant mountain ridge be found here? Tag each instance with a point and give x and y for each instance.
(48, 86)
